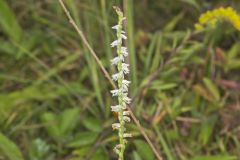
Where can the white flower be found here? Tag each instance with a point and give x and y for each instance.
(123, 36)
(125, 68)
(126, 82)
(126, 119)
(126, 113)
(127, 135)
(116, 76)
(116, 126)
(115, 43)
(115, 92)
(125, 85)
(116, 108)
(124, 51)
(118, 146)
(115, 27)
(117, 59)
(116, 150)
(125, 89)
(125, 64)
(126, 99)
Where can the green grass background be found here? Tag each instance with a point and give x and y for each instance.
(55, 102)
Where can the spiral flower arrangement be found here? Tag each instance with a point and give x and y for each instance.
(122, 91)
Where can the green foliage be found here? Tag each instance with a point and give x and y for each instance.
(220, 157)
(9, 22)
(212, 88)
(207, 129)
(82, 139)
(143, 150)
(100, 154)
(9, 149)
(93, 124)
(39, 150)
(55, 102)
(61, 125)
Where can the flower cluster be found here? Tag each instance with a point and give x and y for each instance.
(122, 91)
(211, 18)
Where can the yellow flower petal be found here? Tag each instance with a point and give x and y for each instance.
(212, 17)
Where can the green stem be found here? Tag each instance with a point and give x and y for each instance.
(120, 86)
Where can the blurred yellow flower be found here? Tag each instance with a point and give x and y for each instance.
(211, 18)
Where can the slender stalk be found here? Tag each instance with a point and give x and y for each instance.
(123, 84)
(107, 75)
(120, 98)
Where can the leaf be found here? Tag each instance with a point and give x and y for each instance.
(10, 101)
(81, 152)
(207, 129)
(150, 52)
(158, 85)
(164, 144)
(53, 124)
(176, 107)
(212, 88)
(68, 120)
(61, 125)
(136, 156)
(9, 22)
(54, 71)
(83, 139)
(9, 149)
(193, 3)
(144, 150)
(39, 150)
(100, 154)
(202, 91)
(172, 24)
(232, 53)
(219, 157)
(233, 64)
(92, 124)
(188, 53)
